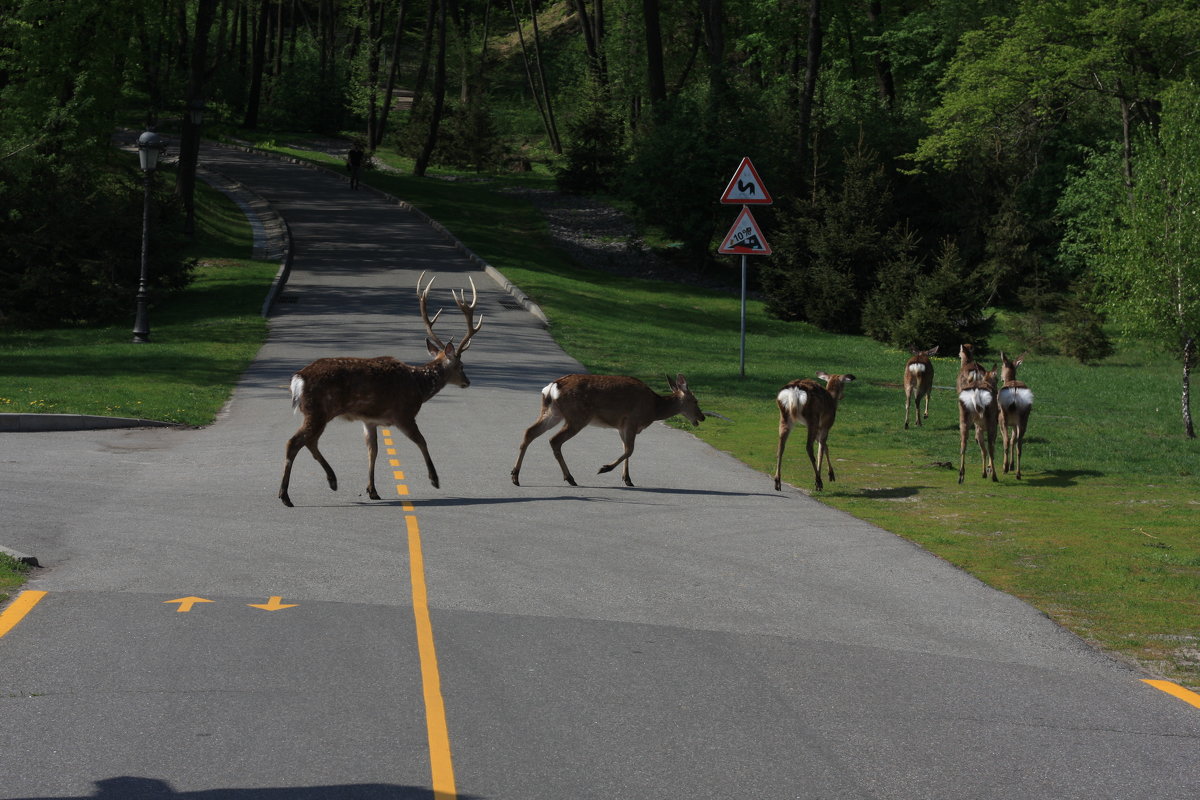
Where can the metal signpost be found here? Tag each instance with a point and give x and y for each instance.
(745, 238)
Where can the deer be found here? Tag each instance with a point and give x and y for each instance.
(918, 381)
(608, 401)
(814, 406)
(1016, 401)
(977, 406)
(968, 372)
(378, 391)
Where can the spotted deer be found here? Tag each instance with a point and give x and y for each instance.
(977, 406)
(377, 391)
(608, 401)
(814, 406)
(1016, 401)
(918, 382)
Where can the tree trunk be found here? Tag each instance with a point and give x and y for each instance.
(812, 67)
(555, 143)
(714, 39)
(592, 27)
(426, 52)
(374, 43)
(189, 144)
(439, 94)
(656, 77)
(884, 80)
(533, 89)
(257, 64)
(1189, 361)
(393, 69)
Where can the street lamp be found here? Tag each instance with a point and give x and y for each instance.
(150, 146)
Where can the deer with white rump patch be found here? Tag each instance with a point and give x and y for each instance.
(977, 406)
(1016, 401)
(377, 391)
(918, 382)
(608, 401)
(815, 407)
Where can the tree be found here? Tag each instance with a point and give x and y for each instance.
(1148, 261)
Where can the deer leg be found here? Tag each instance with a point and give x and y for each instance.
(962, 442)
(1004, 440)
(1018, 446)
(307, 436)
(785, 428)
(369, 433)
(926, 406)
(545, 422)
(816, 463)
(556, 443)
(823, 453)
(907, 399)
(409, 429)
(627, 437)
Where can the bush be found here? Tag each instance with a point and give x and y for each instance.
(61, 266)
(593, 152)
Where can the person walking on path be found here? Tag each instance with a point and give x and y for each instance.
(354, 160)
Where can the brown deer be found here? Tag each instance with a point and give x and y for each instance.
(977, 406)
(918, 382)
(815, 407)
(377, 391)
(609, 401)
(968, 372)
(1016, 401)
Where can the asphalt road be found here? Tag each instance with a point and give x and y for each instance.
(698, 636)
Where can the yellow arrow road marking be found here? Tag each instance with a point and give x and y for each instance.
(186, 603)
(274, 604)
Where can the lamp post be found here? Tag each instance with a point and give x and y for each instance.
(150, 145)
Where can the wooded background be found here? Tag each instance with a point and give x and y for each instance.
(931, 160)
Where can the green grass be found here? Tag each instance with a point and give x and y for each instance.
(1101, 534)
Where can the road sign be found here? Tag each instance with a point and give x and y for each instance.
(744, 238)
(746, 188)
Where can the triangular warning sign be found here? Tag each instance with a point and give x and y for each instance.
(744, 238)
(746, 187)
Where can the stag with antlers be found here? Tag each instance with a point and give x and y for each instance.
(377, 391)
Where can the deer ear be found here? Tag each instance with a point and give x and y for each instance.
(680, 383)
(933, 352)
(433, 348)
(823, 376)
(847, 378)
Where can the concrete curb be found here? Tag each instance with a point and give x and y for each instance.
(40, 423)
(21, 557)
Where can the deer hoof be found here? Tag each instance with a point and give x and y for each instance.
(515, 481)
(605, 468)
(287, 501)
(571, 481)
(371, 493)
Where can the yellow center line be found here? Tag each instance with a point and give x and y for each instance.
(440, 764)
(1175, 690)
(16, 612)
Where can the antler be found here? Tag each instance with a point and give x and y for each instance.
(460, 298)
(469, 312)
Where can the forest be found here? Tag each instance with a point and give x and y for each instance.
(932, 162)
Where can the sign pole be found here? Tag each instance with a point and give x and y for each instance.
(745, 238)
(742, 360)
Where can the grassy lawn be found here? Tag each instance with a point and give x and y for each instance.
(1102, 533)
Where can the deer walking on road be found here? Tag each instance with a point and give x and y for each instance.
(377, 391)
(608, 401)
(815, 407)
(918, 382)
